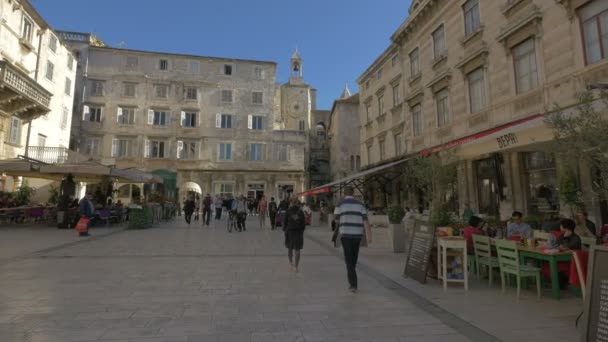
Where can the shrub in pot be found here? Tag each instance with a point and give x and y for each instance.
(395, 214)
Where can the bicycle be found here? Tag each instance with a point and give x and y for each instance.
(232, 221)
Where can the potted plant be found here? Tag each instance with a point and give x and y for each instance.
(24, 194)
(396, 228)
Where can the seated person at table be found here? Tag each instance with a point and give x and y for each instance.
(517, 227)
(569, 239)
(474, 228)
(584, 226)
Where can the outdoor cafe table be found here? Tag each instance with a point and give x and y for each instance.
(553, 258)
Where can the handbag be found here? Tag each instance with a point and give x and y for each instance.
(83, 225)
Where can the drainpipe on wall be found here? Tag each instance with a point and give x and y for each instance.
(29, 124)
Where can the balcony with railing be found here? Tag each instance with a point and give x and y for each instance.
(54, 155)
(20, 94)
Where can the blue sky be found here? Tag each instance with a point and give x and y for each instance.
(338, 39)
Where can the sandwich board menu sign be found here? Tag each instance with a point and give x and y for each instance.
(419, 252)
(596, 301)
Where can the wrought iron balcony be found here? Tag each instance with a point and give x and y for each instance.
(21, 95)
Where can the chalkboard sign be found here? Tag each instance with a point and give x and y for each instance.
(419, 252)
(409, 233)
(596, 301)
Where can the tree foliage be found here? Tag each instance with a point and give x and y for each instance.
(581, 136)
(435, 175)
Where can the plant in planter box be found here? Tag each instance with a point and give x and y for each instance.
(442, 217)
(395, 214)
(24, 194)
(534, 221)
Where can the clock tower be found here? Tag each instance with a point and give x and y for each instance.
(298, 99)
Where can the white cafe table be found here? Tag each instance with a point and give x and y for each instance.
(452, 246)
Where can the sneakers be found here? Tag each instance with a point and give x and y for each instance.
(352, 289)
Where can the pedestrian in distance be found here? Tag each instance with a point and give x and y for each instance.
(207, 209)
(272, 213)
(263, 211)
(240, 207)
(197, 207)
(188, 209)
(218, 203)
(86, 209)
(294, 225)
(352, 227)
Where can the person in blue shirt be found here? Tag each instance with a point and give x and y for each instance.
(517, 226)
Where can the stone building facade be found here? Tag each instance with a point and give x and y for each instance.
(220, 125)
(37, 81)
(475, 78)
(344, 146)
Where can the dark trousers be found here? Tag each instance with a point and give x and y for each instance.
(240, 220)
(218, 213)
(188, 216)
(351, 254)
(273, 216)
(206, 215)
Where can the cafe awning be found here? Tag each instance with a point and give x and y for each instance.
(18, 167)
(355, 179)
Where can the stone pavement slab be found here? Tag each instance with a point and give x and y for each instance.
(23, 239)
(192, 283)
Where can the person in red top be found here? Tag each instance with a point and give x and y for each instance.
(474, 228)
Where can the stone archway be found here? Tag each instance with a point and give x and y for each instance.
(190, 188)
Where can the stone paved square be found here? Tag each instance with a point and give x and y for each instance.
(184, 283)
(191, 283)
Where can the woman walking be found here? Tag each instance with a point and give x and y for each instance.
(263, 211)
(293, 226)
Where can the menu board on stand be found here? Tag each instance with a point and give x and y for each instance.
(596, 301)
(419, 251)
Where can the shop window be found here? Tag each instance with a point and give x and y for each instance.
(541, 182)
(490, 182)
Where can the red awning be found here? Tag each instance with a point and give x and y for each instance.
(316, 191)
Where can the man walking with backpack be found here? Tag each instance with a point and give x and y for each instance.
(351, 218)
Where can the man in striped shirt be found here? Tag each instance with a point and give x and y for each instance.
(351, 218)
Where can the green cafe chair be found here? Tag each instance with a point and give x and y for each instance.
(483, 255)
(508, 260)
(587, 242)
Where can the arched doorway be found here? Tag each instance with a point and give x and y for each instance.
(190, 189)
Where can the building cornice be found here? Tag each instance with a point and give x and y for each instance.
(371, 70)
(419, 14)
(120, 50)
